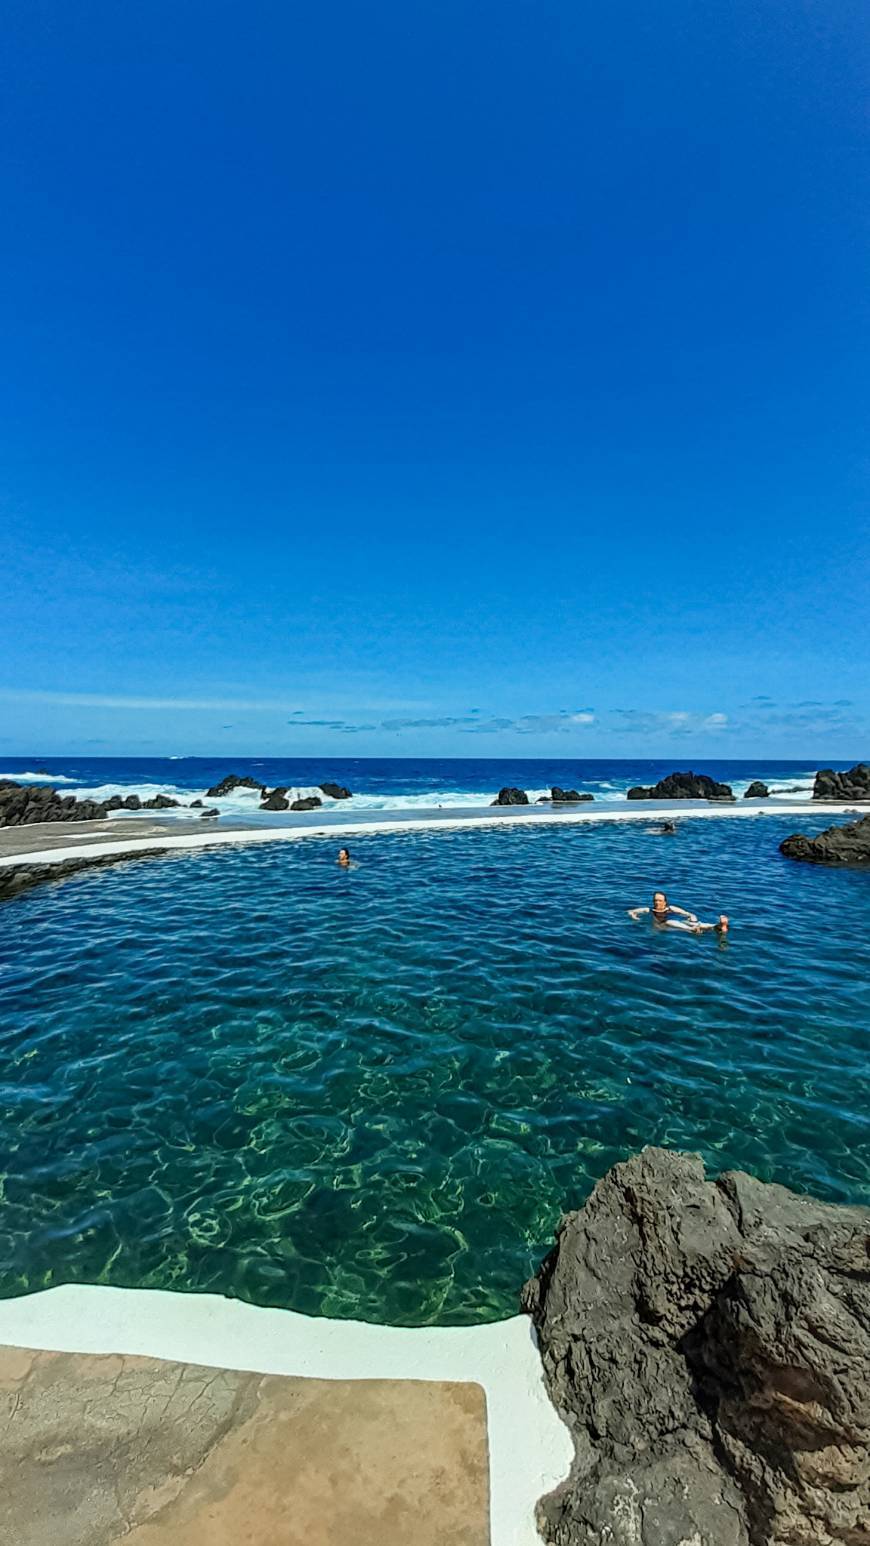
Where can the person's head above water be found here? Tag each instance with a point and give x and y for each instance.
(659, 902)
(722, 926)
(343, 857)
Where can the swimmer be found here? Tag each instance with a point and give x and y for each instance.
(663, 912)
(344, 858)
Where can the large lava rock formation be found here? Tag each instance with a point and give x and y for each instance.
(708, 1345)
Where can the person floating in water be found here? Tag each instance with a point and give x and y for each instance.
(672, 917)
(344, 858)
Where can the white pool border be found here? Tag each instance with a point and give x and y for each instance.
(530, 1451)
(413, 822)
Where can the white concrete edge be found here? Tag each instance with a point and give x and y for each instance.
(214, 837)
(530, 1450)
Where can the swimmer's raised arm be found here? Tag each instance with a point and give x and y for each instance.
(693, 917)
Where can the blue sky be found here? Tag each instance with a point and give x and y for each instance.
(465, 378)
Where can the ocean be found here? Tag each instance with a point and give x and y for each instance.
(393, 783)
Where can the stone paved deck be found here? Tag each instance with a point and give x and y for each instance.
(99, 1449)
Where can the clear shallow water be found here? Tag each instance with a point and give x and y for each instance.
(372, 1093)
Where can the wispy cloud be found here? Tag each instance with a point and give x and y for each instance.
(95, 700)
(677, 723)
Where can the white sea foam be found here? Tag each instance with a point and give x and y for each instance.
(245, 803)
(39, 778)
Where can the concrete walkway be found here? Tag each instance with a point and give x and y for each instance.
(95, 1450)
(194, 1420)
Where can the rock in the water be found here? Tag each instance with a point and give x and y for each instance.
(160, 802)
(311, 802)
(335, 792)
(854, 785)
(757, 791)
(708, 1345)
(132, 803)
(231, 782)
(567, 796)
(29, 805)
(276, 801)
(683, 786)
(836, 845)
(509, 796)
(195, 805)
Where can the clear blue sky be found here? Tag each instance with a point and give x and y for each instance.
(452, 378)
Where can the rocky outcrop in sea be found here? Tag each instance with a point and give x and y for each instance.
(854, 785)
(756, 791)
(230, 783)
(683, 786)
(708, 1345)
(27, 805)
(510, 796)
(849, 844)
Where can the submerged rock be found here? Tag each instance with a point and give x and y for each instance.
(757, 791)
(310, 802)
(231, 782)
(849, 844)
(854, 785)
(683, 786)
(567, 796)
(335, 792)
(708, 1345)
(510, 796)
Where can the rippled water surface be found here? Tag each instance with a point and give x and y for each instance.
(371, 1093)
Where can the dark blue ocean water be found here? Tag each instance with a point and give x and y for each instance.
(391, 782)
(371, 1093)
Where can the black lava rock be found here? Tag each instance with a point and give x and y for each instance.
(335, 792)
(309, 803)
(683, 786)
(276, 801)
(851, 786)
(757, 791)
(836, 845)
(508, 796)
(567, 796)
(231, 782)
(708, 1345)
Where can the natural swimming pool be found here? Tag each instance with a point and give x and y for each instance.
(371, 1093)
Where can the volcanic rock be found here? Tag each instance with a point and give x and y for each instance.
(836, 845)
(567, 796)
(195, 805)
(509, 796)
(757, 791)
(231, 782)
(25, 806)
(708, 1345)
(683, 786)
(335, 792)
(159, 802)
(132, 803)
(276, 801)
(309, 803)
(854, 785)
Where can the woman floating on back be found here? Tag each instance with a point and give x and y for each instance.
(672, 917)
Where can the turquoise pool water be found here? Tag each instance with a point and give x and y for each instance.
(372, 1093)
